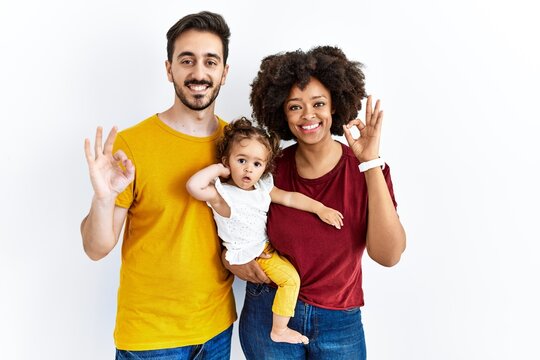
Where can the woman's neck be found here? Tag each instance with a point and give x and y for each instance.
(316, 160)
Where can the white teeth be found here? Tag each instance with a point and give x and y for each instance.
(310, 127)
(198, 87)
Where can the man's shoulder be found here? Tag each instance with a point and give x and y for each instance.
(140, 127)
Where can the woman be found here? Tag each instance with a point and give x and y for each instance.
(308, 97)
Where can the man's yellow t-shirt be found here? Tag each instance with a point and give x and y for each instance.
(174, 290)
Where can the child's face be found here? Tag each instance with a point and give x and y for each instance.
(247, 161)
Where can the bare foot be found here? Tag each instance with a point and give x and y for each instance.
(288, 335)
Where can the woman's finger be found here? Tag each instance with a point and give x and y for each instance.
(348, 135)
(378, 125)
(356, 122)
(375, 114)
(369, 110)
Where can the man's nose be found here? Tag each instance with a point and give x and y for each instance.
(198, 71)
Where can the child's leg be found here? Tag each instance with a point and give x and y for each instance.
(284, 275)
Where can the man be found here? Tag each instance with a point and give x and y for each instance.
(175, 297)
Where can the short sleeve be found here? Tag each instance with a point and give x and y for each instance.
(125, 198)
(222, 192)
(266, 183)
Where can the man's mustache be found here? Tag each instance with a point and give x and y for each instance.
(198, 82)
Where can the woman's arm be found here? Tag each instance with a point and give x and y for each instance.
(201, 187)
(302, 202)
(385, 240)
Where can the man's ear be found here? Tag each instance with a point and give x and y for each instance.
(168, 70)
(224, 75)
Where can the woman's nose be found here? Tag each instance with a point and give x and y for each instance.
(309, 115)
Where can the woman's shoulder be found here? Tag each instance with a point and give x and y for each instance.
(286, 156)
(348, 154)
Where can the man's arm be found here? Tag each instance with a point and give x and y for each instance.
(110, 174)
(101, 228)
(250, 271)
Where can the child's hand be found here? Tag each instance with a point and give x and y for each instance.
(331, 217)
(224, 172)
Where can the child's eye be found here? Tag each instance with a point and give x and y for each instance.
(258, 164)
(241, 161)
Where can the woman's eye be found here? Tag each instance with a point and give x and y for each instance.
(319, 104)
(294, 107)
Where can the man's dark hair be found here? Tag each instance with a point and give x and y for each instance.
(203, 21)
(278, 73)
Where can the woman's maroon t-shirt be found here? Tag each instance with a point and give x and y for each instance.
(327, 259)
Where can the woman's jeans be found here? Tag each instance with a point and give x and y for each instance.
(332, 334)
(217, 348)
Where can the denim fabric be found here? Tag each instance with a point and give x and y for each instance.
(217, 348)
(333, 334)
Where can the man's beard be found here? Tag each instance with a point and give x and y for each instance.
(197, 102)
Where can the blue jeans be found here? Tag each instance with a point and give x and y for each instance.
(217, 348)
(332, 334)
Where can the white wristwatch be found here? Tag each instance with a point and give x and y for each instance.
(366, 165)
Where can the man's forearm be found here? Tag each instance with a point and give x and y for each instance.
(97, 229)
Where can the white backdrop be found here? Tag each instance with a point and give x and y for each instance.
(459, 83)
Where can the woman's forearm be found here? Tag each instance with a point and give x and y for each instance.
(385, 241)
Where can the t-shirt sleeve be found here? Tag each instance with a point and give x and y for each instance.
(125, 198)
(267, 183)
(222, 191)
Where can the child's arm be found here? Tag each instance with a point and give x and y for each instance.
(302, 202)
(201, 187)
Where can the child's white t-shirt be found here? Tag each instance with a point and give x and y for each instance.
(244, 232)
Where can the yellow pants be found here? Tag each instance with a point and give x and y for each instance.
(284, 275)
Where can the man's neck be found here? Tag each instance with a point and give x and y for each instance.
(199, 123)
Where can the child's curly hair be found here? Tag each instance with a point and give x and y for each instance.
(280, 72)
(241, 129)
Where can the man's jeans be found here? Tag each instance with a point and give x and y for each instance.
(332, 334)
(217, 348)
